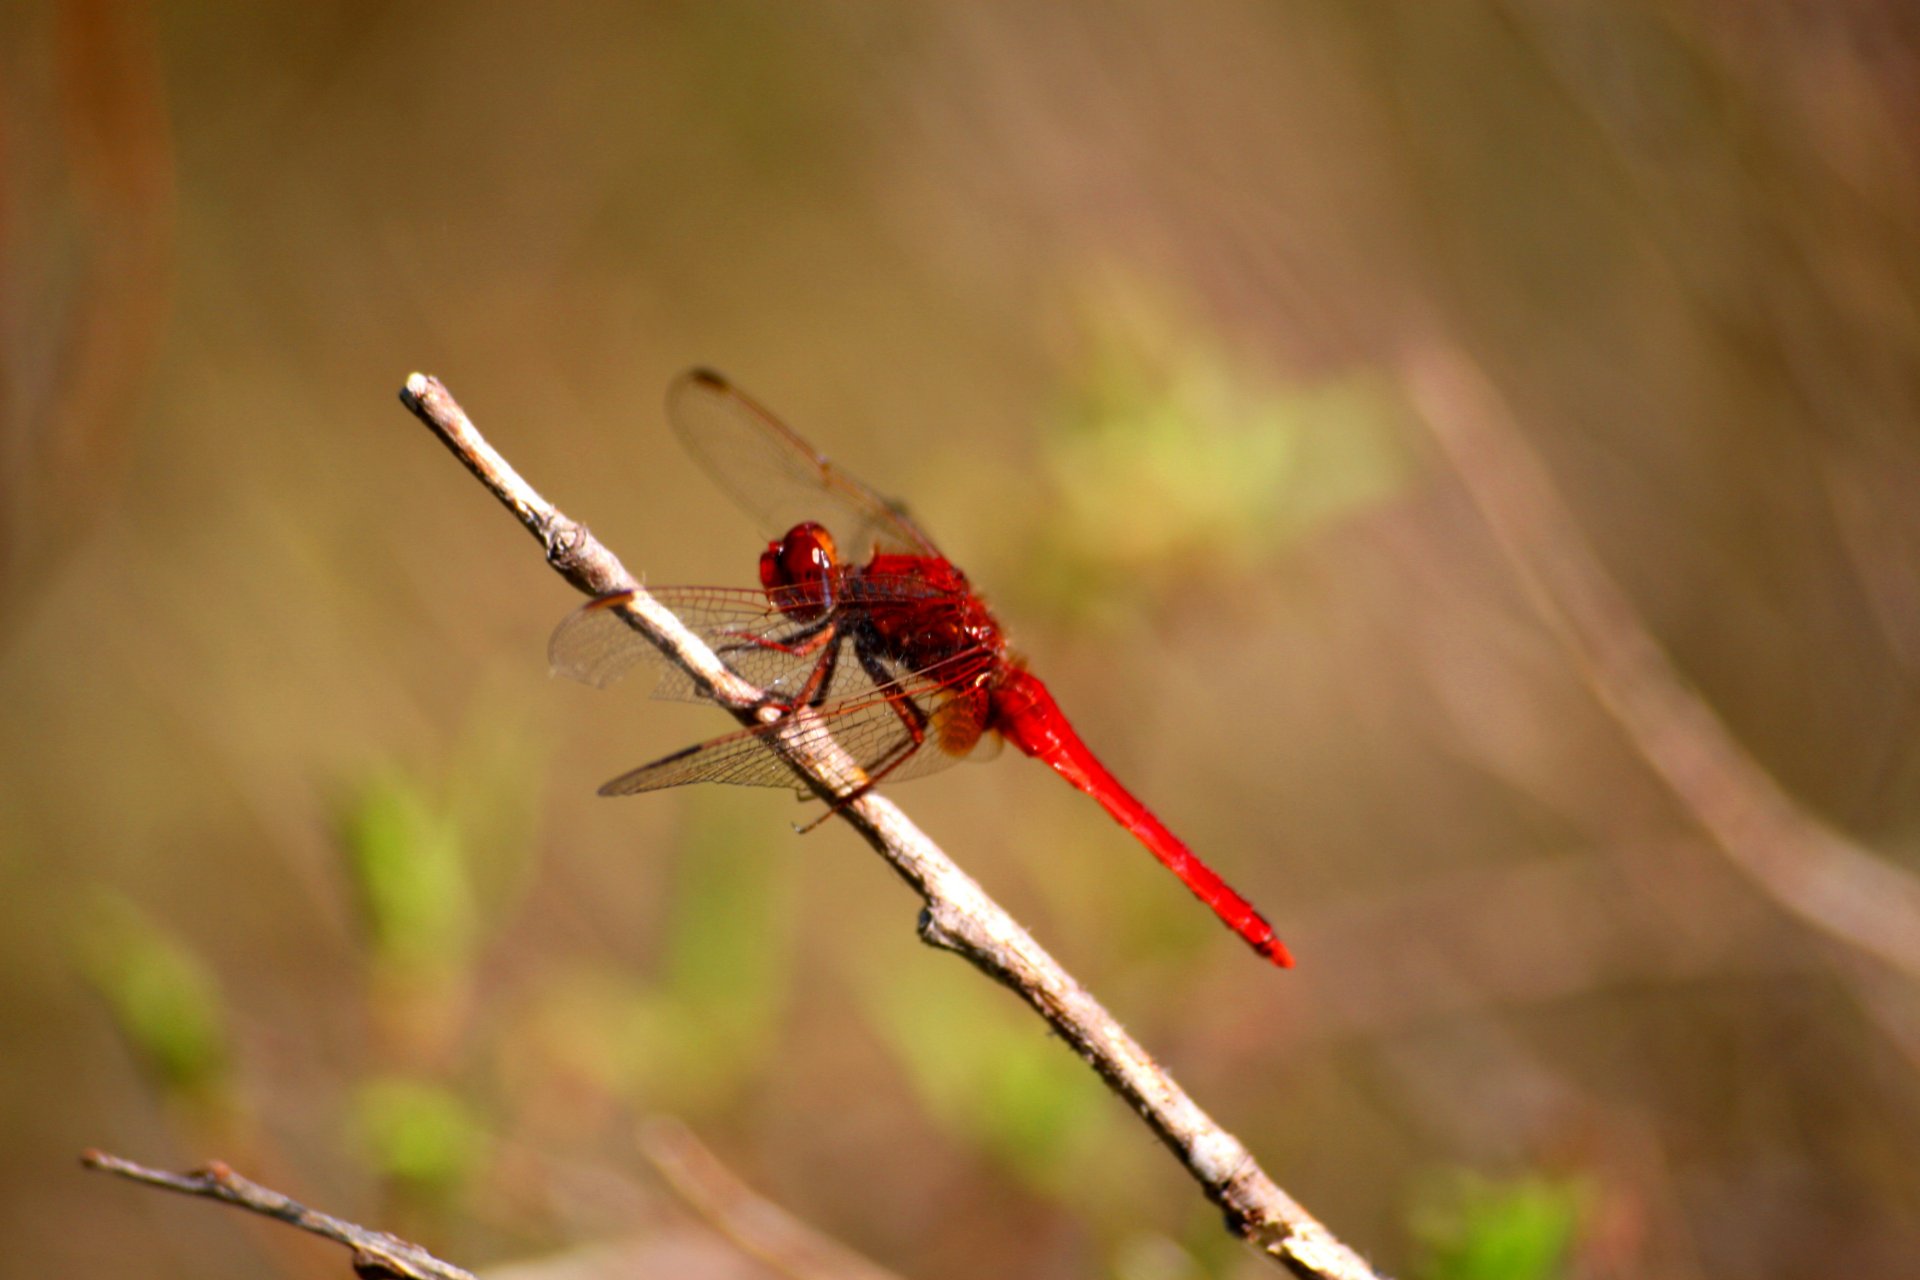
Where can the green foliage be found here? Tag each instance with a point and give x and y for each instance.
(1151, 1256)
(1475, 1228)
(990, 1075)
(1173, 455)
(691, 1038)
(694, 1037)
(408, 864)
(727, 946)
(164, 1002)
(493, 800)
(420, 1135)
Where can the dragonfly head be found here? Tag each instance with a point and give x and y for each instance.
(805, 557)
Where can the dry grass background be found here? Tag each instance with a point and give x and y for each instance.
(299, 860)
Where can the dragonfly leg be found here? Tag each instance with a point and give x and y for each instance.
(812, 638)
(814, 692)
(892, 760)
(799, 642)
(913, 718)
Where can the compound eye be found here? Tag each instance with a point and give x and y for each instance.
(805, 555)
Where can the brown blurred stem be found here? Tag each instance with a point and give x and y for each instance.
(756, 1226)
(1813, 871)
(375, 1253)
(959, 916)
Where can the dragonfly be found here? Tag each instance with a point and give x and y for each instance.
(862, 622)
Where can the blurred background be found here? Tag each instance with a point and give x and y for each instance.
(1455, 462)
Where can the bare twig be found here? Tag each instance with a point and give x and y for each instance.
(376, 1254)
(759, 1227)
(959, 915)
(1813, 871)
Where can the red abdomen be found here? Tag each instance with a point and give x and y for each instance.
(1026, 715)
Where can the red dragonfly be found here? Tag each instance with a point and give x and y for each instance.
(876, 632)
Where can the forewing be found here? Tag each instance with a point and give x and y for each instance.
(595, 644)
(778, 478)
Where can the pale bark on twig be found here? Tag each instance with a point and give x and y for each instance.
(959, 916)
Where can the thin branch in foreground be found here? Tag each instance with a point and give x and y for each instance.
(959, 916)
(375, 1253)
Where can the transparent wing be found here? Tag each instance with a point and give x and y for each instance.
(893, 734)
(778, 478)
(598, 647)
